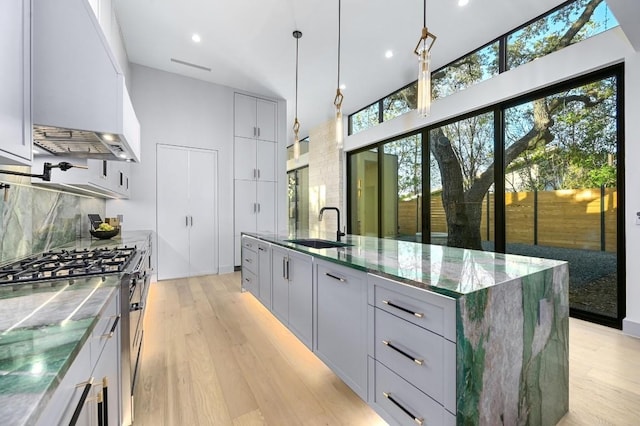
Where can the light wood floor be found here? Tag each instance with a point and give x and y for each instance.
(216, 356)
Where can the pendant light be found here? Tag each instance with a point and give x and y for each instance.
(337, 101)
(296, 124)
(423, 50)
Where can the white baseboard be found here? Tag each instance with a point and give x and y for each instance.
(631, 328)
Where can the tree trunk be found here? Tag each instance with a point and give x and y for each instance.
(463, 217)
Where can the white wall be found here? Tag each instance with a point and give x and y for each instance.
(177, 110)
(598, 52)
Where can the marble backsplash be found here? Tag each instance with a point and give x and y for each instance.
(35, 220)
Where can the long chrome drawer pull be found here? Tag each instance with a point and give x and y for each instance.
(400, 351)
(76, 414)
(113, 328)
(334, 277)
(418, 420)
(393, 305)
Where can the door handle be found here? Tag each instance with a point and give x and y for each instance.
(258, 207)
(288, 276)
(254, 173)
(258, 173)
(191, 217)
(258, 131)
(283, 269)
(186, 221)
(254, 207)
(254, 131)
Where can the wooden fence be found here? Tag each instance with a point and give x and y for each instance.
(576, 218)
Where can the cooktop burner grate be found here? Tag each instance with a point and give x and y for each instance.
(57, 264)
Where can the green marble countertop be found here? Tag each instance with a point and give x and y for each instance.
(446, 270)
(42, 329)
(43, 326)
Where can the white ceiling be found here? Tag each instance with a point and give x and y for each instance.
(248, 44)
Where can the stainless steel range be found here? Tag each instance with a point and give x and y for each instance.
(133, 265)
(67, 264)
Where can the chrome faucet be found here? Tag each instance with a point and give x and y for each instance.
(338, 234)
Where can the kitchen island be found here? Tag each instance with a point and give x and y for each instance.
(476, 337)
(51, 328)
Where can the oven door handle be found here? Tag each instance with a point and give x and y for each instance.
(138, 268)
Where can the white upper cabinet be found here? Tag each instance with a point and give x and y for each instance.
(255, 118)
(15, 80)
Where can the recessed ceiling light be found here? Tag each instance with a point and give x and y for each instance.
(388, 54)
(343, 86)
(196, 38)
(463, 2)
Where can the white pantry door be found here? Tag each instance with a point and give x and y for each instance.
(186, 212)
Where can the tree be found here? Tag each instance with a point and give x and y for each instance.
(464, 181)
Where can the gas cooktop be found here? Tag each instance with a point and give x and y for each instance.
(58, 264)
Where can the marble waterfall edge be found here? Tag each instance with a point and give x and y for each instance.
(515, 372)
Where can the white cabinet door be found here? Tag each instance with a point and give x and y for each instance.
(107, 376)
(186, 212)
(280, 284)
(266, 161)
(300, 274)
(173, 212)
(15, 80)
(246, 207)
(341, 327)
(245, 116)
(264, 273)
(266, 199)
(266, 120)
(245, 159)
(203, 248)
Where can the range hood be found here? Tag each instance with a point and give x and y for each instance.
(81, 107)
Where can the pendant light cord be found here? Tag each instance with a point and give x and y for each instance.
(297, 41)
(339, 9)
(424, 19)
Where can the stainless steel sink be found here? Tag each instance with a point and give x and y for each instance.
(318, 243)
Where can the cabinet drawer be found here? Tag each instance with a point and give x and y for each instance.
(102, 332)
(421, 357)
(248, 242)
(406, 404)
(250, 282)
(428, 310)
(249, 260)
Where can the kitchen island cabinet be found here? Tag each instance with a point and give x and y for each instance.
(453, 336)
(341, 323)
(293, 292)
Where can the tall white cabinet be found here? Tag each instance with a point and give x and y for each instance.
(186, 212)
(255, 167)
(15, 80)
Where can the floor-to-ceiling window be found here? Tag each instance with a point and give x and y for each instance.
(298, 197)
(538, 176)
(561, 187)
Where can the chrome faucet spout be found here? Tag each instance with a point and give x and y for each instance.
(339, 233)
